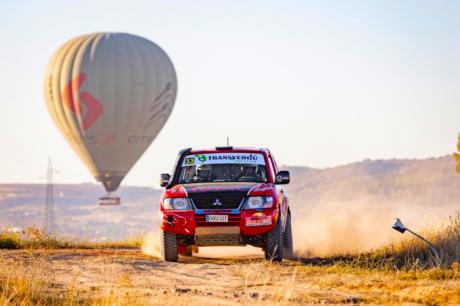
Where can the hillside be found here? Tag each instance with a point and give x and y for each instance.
(431, 182)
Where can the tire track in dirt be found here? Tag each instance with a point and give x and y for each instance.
(131, 277)
(129, 272)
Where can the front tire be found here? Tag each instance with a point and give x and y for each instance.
(274, 243)
(169, 249)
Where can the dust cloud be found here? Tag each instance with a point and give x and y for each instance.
(346, 228)
(151, 244)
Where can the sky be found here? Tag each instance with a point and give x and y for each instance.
(320, 83)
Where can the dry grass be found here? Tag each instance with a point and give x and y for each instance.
(412, 254)
(260, 283)
(28, 278)
(33, 238)
(403, 272)
(340, 283)
(32, 285)
(407, 254)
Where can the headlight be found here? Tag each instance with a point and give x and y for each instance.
(258, 202)
(176, 204)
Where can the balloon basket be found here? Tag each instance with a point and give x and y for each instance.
(109, 200)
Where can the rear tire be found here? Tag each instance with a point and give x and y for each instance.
(189, 251)
(169, 249)
(287, 239)
(274, 243)
(195, 249)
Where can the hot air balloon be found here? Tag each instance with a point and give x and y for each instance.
(110, 94)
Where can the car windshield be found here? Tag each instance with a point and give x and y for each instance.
(223, 167)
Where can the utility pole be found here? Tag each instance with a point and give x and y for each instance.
(49, 205)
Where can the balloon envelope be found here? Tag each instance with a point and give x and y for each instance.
(110, 94)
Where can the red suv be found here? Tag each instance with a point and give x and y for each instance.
(225, 197)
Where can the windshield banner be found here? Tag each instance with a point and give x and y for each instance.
(223, 158)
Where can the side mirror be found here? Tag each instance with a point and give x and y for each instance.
(282, 177)
(164, 179)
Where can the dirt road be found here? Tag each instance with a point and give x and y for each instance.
(132, 277)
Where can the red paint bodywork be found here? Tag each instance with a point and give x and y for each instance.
(185, 222)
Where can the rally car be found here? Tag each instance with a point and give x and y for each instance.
(225, 197)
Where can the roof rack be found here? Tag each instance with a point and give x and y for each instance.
(225, 148)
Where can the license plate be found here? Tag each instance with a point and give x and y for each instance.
(216, 218)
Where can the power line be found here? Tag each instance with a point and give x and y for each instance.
(49, 205)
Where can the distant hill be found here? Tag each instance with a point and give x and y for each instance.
(426, 182)
(374, 184)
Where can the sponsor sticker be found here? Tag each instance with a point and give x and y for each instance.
(223, 158)
(189, 160)
(259, 222)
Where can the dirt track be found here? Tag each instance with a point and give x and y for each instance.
(134, 278)
(149, 280)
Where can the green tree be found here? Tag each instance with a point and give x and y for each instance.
(457, 155)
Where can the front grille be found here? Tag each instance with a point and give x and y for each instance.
(212, 201)
(233, 220)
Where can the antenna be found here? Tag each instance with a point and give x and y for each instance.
(49, 205)
(228, 141)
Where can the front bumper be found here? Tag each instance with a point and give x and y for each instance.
(250, 222)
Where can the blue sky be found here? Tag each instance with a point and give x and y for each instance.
(321, 83)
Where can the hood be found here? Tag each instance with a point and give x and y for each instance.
(237, 188)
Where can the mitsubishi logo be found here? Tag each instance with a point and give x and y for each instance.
(217, 203)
